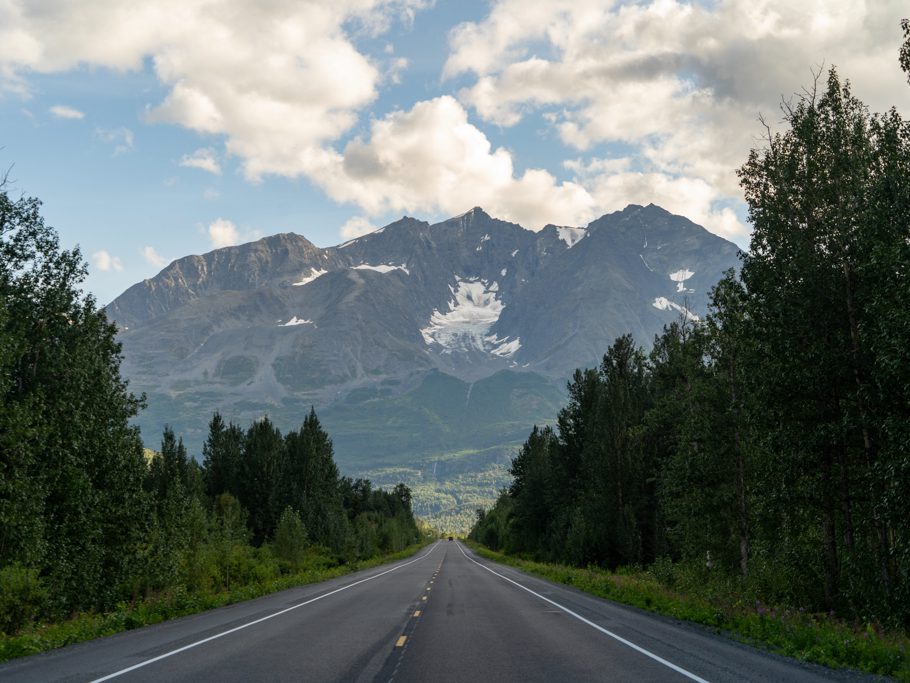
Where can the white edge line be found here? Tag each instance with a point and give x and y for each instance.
(590, 623)
(257, 621)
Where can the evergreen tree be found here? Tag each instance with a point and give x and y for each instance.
(221, 457)
(262, 467)
(316, 483)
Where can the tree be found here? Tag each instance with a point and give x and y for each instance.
(290, 541)
(222, 457)
(827, 199)
(263, 463)
(71, 498)
(312, 478)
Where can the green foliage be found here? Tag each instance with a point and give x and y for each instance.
(72, 506)
(290, 541)
(22, 597)
(89, 520)
(767, 444)
(179, 602)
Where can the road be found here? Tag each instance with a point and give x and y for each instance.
(444, 615)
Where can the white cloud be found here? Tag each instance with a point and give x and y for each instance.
(210, 193)
(153, 258)
(105, 262)
(432, 159)
(279, 80)
(120, 138)
(675, 84)
(62, 111)
(356, 226)
(223, 233)
(678, 83)
(204, 159)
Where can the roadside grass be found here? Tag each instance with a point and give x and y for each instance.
(819, 638)
(172, 604)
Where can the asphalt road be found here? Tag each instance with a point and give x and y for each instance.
(444, 615)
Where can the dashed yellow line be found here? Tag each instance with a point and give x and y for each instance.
(417, 613)
(424, 598)
(401, 641)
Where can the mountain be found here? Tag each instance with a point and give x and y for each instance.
(421, 346)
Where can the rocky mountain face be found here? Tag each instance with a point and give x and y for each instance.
(431, 319)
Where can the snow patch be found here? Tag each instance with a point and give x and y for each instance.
(297, 321)
(645, 262)
(474, 308)
(503, 347)
(571, 236)
(485, 238)
(382, 268)
(679, 277)
(664, 304)
(514, 252)
(503, 272)
(309, 278)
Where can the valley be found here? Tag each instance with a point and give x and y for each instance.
(428, 351)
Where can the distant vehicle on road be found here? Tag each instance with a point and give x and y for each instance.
(450, 538)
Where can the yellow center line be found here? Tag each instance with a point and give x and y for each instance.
(424, 598)
(401, 641)
(417, 613)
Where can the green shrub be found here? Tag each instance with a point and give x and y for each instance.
(22, 597)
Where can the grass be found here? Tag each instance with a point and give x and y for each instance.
(177, 603)
(818, 638)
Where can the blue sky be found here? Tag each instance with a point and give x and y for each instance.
(161, 129)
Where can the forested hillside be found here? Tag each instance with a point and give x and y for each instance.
(769, 443)
(91, 521)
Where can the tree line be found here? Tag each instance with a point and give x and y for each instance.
(88, 520)
(770, 442)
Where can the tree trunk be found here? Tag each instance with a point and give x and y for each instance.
(868, 446)
(829, 537)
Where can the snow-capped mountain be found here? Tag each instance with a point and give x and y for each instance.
(279, 324)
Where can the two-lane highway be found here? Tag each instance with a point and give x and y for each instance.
(444, 615)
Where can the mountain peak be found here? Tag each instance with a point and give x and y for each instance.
(472, 214)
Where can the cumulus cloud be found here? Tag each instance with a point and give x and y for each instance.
(204, 159)
(120, 138)
(152, 257)
(62, 111)
(105, 262)
(431, 159)
(679, 83)
(674, 85)
(279, 80)
(223, 233)
(356, 226)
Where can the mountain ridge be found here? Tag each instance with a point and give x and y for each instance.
(277, 325)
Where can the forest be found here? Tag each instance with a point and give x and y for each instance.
(90, 521)
(768, 443)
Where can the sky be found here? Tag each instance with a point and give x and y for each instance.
(154, 130)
